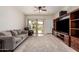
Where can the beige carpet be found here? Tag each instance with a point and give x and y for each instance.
(46, 43)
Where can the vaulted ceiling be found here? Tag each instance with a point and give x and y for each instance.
(31, 10)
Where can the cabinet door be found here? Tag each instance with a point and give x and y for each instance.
(72, 42)
(75, 43)
(66, 40)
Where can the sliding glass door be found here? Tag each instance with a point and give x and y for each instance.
(36, 26)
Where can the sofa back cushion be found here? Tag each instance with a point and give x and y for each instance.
(23, 32)
(14, 32)
(5, 33)
(19, 31)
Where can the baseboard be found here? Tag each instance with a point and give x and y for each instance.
(48, 33)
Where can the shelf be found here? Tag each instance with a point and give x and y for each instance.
(75, 37)
(75, 28)
(75, 20)
(75, 24)
(75, 32)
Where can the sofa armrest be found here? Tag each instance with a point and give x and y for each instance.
(4, 37)
(8, 43)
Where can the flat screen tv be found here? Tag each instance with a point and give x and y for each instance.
(63, 25)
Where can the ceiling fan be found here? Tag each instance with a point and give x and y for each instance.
(40, 8)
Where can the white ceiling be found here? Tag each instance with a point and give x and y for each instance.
(30, 10)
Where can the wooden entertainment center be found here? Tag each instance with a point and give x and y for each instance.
(71, 38)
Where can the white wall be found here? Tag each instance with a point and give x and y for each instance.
(67, 8)
(11, 18)
(47, 22)
(48, 25)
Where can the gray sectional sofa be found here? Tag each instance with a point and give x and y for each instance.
(12, 39)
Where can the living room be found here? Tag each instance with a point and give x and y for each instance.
(15, 21)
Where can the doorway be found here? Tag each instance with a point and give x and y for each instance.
(37, 26)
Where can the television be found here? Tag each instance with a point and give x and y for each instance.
(63, 25)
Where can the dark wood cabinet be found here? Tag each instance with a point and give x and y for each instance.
(74, 29)
(72, 38)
